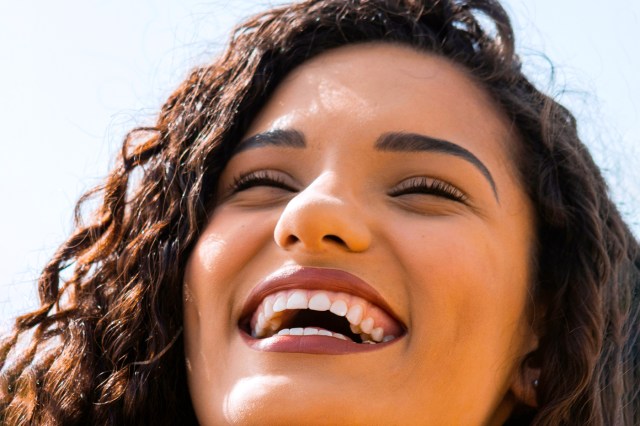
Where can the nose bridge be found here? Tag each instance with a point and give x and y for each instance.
(326, 213)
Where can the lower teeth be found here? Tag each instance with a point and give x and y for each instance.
(310, 331)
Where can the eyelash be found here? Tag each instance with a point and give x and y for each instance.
(258, 178)
(425, 185)
(416, 185)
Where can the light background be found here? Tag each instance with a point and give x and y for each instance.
(75, 75)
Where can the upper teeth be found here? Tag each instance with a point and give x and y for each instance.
(366, 319)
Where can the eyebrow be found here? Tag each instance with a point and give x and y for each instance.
(284, 138)
(413, 142)
(391, 142)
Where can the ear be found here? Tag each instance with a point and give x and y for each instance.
(524, 385)
(526, 375)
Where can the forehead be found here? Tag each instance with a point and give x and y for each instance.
(365, 83)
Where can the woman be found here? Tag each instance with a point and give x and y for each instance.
(363, 212)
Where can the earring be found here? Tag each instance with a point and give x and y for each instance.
(535, 383)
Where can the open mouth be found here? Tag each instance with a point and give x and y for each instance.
(318, 312)
(300, 306)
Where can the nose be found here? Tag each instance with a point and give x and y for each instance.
(319, 218)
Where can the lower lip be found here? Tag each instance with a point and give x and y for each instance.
(321, 345)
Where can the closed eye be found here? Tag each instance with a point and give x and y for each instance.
(428, 186)
(267, 178)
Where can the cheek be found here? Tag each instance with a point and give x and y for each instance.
(225, 247)
(213, 272)
(468, 289)
(454, 262)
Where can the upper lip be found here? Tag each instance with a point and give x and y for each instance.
(308, 278)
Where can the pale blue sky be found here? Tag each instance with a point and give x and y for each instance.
(76, 74)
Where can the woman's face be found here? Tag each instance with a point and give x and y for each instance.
(368, 260)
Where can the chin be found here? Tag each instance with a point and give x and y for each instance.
(283, 400)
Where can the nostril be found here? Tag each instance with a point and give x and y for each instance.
(334, 238)
(291, 239)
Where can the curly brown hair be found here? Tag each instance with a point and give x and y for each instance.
(106, 346)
